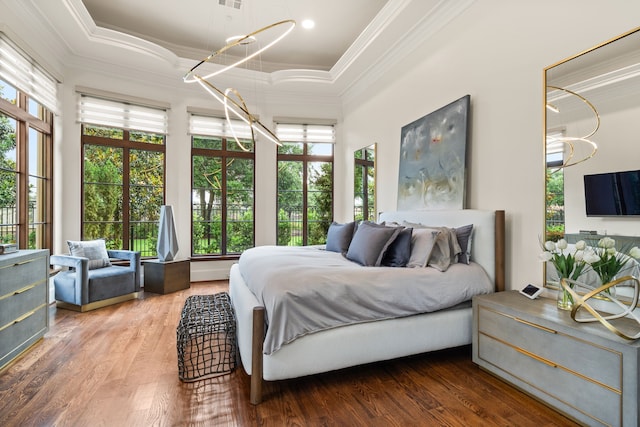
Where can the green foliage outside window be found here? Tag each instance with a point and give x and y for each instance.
(292, 227)
(104, 214)
(222, 192)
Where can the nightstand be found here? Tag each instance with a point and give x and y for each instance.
(582, 370)
(166, 277)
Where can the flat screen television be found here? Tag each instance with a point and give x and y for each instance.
(612, 193)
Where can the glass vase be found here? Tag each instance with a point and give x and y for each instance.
(565, 300)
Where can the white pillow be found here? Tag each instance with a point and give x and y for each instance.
(95, 250)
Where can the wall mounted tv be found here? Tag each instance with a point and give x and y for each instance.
(612, 193)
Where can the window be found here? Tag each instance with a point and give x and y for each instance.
(27, 104)
(305, 183)
(364, 184)
(222, 187)
(555, 182)
(123, 173)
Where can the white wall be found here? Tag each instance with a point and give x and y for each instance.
(496, 52)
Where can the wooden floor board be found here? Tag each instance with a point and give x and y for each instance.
(117, 366)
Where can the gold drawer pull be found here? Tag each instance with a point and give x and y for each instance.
(23, 290)
(21, 318)
(538, 358)
(551, 331)
(22, 263)
(24, 316)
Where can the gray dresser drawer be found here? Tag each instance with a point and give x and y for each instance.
(24, 299)
(18, 272)
(13, 306)
(601, 404)
(584, 358)
(21, 333)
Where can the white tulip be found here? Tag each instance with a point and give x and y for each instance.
(581, 245)
(635, 252)
(591, 257)
(549, 245)
(562, 244)
(607, 243)
(579, 255)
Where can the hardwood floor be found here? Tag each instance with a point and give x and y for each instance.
(117, 366)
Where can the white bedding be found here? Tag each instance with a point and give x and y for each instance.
(306, 290)
(367, 342)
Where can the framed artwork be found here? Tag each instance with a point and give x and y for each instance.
(432, 159)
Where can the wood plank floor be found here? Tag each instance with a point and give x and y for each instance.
(117, 366)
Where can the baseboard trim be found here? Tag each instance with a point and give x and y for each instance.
(97, 304)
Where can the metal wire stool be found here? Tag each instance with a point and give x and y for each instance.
(206, 337)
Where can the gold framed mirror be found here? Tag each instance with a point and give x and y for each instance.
(592, 128)
(364, 183)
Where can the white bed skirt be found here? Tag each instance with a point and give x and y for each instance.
(348, 345)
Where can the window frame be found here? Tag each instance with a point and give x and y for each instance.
(224, 154)
(305, 158)
(24, 121)
(366, 164)
(126, 144)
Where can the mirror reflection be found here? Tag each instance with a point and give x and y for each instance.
(364, 184)
(592, 150)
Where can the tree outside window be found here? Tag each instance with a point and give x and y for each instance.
(25, 170)
(305, 193)
(222, 196)
(123, 187)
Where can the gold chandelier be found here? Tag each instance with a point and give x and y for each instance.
(235, 104)
(570, 141)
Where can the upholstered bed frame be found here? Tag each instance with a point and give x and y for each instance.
(371, 341)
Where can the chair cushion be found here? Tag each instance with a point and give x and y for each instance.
(94, 250)
(104, 283)
(110, 282)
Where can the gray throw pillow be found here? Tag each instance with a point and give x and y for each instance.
(339, 236)
(445, 250)
(422, 242)
(370, 243)
(399, 251)
(464, 236)
(95, 250)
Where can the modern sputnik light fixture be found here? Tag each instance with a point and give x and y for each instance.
(569, 140)
(236, 104)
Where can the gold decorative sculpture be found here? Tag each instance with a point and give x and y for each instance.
(580, 302)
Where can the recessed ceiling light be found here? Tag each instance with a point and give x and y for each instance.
(308, 24)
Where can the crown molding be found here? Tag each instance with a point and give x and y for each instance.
(392, 36)
(433, 20)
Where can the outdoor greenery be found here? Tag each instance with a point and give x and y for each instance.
(104, 185)
(8, 183)
(364, 167)
(291, 197)
(555, 204)
(222, 167)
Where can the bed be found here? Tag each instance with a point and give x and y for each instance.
(368, 340)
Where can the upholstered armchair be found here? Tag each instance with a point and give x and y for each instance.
(85, 286)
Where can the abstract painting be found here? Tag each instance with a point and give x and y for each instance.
(432, 159)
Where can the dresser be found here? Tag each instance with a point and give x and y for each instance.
(582, 370)
(24, 296)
